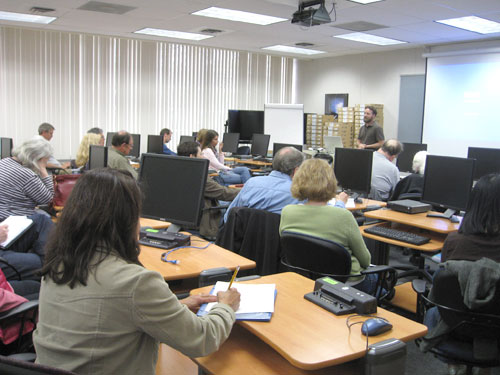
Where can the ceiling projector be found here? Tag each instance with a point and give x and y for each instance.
(306, 15)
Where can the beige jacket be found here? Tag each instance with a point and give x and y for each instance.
(115, 323)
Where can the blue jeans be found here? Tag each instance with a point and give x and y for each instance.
(369, 284)
(238, 175)
(26, 254)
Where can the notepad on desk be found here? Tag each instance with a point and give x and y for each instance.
(17, 226)
(257, 300)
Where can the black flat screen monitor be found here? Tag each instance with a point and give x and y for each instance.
(279, 146)
(98, 156)
(173, 188)
(247, 123)
(448, 183)
(155, 144)
(6, 147)
(260, 144)
(487, 160)
(405, 158)
(187, 138)
(109, 138)
(353, 169)
(136, 150)
(231, 141)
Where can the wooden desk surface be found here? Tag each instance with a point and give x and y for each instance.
(415, 220)
(366, 203)
(156, 224)
(312, 338)
(435, 244)
(253, 162)
(192, 261)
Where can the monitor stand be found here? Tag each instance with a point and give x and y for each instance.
(448, 214)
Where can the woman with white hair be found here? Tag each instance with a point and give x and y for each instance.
(24, 181)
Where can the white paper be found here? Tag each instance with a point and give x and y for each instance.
(350, 203)
(255, 298)
(16, 224)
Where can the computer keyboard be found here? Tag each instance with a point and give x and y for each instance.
(398, 235)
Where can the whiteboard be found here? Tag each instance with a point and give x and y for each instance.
(284, 123)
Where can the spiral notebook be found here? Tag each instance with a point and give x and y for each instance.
(17, 226)
(257, 301)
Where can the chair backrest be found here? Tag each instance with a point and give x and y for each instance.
(243, 150)
(485, 322)
(10, 366)
(318, 256)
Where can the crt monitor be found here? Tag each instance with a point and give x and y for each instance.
(448, 183)
(487, 160)
(98, 156)
(353, 169)
(260, 144)
(187, 138)
(173, 188)
(231, 141)
(247, 123)
(155, 144)
(6, 147)
(279, 146)
(405, 158)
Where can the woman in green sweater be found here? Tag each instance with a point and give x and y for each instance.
(315, 183)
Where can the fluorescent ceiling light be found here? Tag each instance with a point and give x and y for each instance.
(473, 23)
(368, 38)
(288, 49)
(365, 1)
(22, 17)
(238, 15)
(173, 34)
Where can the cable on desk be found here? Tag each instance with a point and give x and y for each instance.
(360, 322)
(175, 261)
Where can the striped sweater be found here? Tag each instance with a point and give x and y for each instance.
(21, 189)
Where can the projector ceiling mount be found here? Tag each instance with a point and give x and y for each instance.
(307, 15)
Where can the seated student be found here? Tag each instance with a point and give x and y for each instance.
(315, 183)
(237, 175)
(385, 175)
(24, 180)
(479, 233)
(98, 131)
(167, 136)
(46, 131)
(26, 255)
(122, 143)
(82, 155)
(214, 192)
(101, 311)
(412, 184)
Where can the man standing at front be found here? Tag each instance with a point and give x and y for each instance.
(122, 143)
(371, 135)
(385, 175)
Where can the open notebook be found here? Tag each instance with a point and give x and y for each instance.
(17, 226)
(257, 300)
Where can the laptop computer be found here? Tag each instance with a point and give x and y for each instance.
(331, 142)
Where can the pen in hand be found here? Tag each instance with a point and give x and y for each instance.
(234, 277)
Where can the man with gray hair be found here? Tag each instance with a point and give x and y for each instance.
(46, 131)
(272, 192)
(385, 174)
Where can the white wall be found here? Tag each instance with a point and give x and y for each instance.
(367, 78)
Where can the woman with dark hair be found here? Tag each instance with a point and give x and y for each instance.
(101, 311)
(479, 232)
(229, 176)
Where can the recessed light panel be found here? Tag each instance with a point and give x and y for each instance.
(238, 15)
(368, 38)
(473, 23)
(22, 17)
(289, 49)
(173, 34)
(365, 1)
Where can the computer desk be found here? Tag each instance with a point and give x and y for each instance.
(435, 228)
(307, 336)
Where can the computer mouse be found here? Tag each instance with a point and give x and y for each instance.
(375, 326)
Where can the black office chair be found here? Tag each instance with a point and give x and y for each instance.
(243, 150)
(315, 257)
(20, 315)
(13, 366)
(466, 336)
(410, 187)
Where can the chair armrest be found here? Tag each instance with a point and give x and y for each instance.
(4, 261)
(246, 278)
(221, 207)
(419, 286)
(377, 269)
(22, 308)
